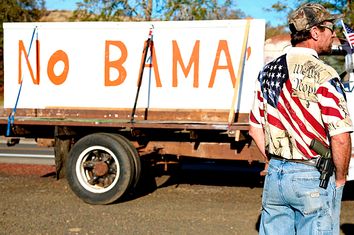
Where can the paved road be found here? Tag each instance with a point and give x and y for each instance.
(26, 151)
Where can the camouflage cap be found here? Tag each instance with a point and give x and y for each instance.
(308, 15)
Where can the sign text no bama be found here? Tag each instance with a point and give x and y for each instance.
(118, 64)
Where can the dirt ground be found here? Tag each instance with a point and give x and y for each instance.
(32, 201)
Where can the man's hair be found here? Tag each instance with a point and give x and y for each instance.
(300, 36)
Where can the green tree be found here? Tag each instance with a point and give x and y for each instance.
(21, 10)
(134, 10)
(275, 30)
(201, 10)
(104, 10)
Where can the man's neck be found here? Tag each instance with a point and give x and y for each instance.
(307, 43)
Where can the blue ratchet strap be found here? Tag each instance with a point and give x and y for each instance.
(11, 118)
(150, 70)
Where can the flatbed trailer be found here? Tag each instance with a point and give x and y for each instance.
(181, 138)
(164, 143)
(51, 123)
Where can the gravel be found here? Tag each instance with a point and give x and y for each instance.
(201, 202)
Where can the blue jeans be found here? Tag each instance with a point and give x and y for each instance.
(293, 202)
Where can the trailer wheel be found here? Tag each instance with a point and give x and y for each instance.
(134, 155)
(99, 169)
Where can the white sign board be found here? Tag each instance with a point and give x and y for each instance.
(194, 64)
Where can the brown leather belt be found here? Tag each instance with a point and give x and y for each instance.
(311, 162)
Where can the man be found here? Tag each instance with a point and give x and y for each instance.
(299, 98)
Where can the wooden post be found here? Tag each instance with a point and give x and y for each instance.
(239, 77)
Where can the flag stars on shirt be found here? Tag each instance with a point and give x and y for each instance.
(272, 79)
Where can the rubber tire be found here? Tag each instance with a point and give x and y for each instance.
(134, 155)
(126, 168)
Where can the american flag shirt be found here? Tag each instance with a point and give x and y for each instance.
(299, 98)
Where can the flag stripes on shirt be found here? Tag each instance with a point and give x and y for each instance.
(285, 113)
(295, 108)
(305, 115)
(296, 126)
(303, 125)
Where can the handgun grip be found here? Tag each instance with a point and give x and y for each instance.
(320, 149)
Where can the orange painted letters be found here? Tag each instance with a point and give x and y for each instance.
(177, 58)
(117, 64)
(58, 56)
(122, 73)
(153, 64)
(222, 47)
(21, 49)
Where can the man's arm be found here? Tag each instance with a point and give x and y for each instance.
(341, 151)
(258, 136)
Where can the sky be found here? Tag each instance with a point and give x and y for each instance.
(253, 8)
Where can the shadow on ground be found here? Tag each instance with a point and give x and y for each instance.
(200, 172)
(347, 229)
(348, 193)
(217, 173)
(211, 172)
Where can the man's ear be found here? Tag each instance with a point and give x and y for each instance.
(314, 31)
